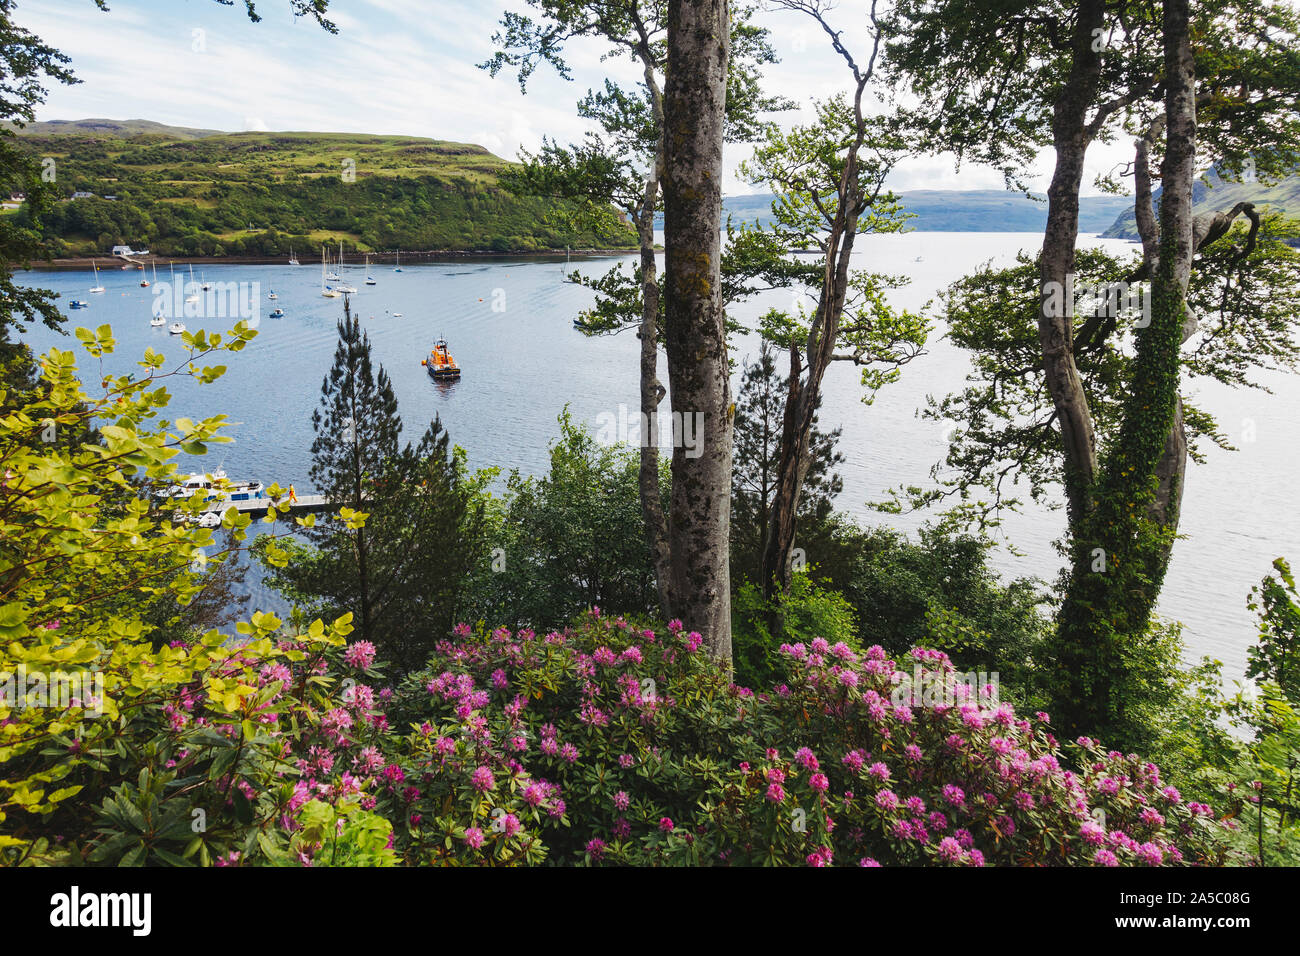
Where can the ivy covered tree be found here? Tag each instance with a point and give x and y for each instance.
(996, 88)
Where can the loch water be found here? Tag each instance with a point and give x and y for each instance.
(509, 325)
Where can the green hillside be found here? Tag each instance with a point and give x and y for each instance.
(185, 192)
(1213, 194)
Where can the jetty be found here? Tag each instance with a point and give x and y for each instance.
(303, 505)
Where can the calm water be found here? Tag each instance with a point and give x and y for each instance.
(508, 323)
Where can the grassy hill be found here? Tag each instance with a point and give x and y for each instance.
(1211, 194)
(189, 192)
(952, 210)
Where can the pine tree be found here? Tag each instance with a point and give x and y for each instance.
(357, 429)
(403, 571)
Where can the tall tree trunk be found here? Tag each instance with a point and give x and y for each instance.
(652, 391)
(1165, 508)
(698, 370)
(779, 533)
(1120, 553)
(652, 394)
(803, 399)
(1177, 244)
(1071, 137)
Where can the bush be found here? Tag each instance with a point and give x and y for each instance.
(611, 744)
(805, 611)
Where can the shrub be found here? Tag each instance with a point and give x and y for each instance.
(611, 744)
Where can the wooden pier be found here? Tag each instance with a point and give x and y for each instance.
(303, 504)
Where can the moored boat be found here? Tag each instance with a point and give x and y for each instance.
(216, 487)
(440, 363)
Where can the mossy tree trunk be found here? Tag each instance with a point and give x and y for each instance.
(698, 370)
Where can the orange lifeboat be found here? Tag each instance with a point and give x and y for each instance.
(440, 363)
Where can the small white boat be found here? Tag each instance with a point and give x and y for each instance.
(157, 321)
(195, 296)
(399, 261)
(96, 287)
(325, 290)
(273, 295)
(78, 304)
(209, 519)
(277, 313)
(293, 260)
(176, 328)
(207, 286)
(370, 280)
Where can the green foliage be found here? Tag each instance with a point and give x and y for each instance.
(805, 610)
(938, 590)
(91, 709)
(569, 540)
(340, 834)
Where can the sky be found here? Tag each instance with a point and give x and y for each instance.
(403, 67)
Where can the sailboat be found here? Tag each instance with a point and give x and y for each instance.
(399, 261)
(206, 284)
(370, 280)
(156, 318)
(96, 287)
(293, 260)
(325, 290)
(195, 296)
(343, 286)
(144, 283)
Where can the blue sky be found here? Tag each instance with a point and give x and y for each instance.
(396, 66)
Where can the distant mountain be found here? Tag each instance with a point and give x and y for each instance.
(1212, 194)
(195, 192)
(957, 210)
(117, 128)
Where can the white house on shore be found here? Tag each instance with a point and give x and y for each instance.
(124, 251)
